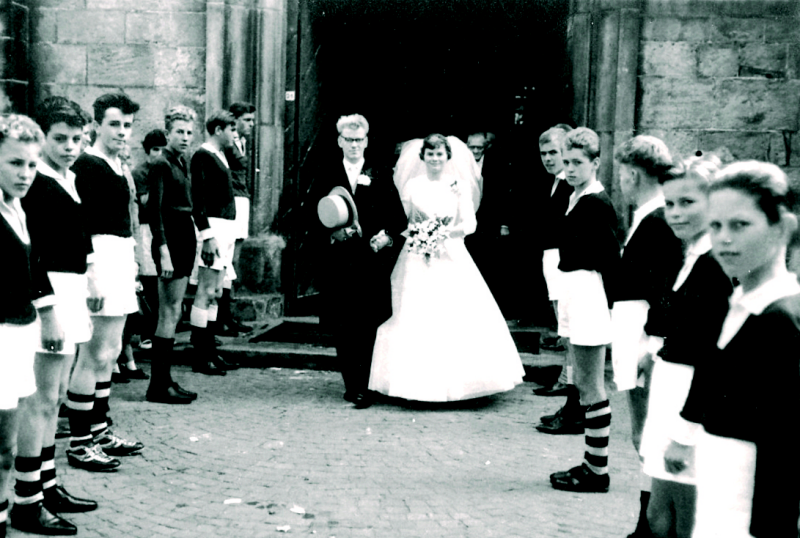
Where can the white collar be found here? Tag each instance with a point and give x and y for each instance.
(559, 177)
(642, 211)
(15, 216)
(353, 166)
(115, 163)
(214, 151)
(693, 252)
(67, 182)
(784, 284)
(700, 247)
(595, 188)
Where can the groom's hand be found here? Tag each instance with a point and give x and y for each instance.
(379, 241)
(343, 234)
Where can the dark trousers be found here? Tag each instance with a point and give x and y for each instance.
(354, 348)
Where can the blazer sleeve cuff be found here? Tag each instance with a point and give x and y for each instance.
(44, 302)
(208, 233)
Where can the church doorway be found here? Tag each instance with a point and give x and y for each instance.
(414, 67)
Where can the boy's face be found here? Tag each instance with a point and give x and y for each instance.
(114, 131)
(244, 124)
(551, 158)
(180, 135)
(477, 145)
(62, 145)
(87, 136)
(155, 153)
(17, 167)
(226, 135)
(579, 168)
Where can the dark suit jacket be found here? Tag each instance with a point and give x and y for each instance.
(493, 211)
(238, 163)
(355, 281)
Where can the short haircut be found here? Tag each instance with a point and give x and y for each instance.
(19, 127)
(179, 113)
(433, 141)
(58, 109)
(584, 139)
(221, 119)
(554, 135)
(764, 182)
(482, 135)
(241, 108)
(154, 139)
(353, 121)
(649, 153)
(113, 100)
(564, 127)
(701, 168)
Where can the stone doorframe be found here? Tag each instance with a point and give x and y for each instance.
(603, 37)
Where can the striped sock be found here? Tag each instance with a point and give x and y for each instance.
(597, 427)
(102, 391)
(49, 481)
(80, 418)
(28, 488)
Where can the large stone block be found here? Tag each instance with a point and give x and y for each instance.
(260, 263)
(779, 148)
(90, 26)
(739, 30)
(128, 65)
(718, 8)
(681, 143)
(148, 5)
(59, 63)
(668, 59)
(782, 29)
(44, 25)
(674, 29)
(717, 61)
(166, 28)
(676, 103)
(793, 60)
(756, 104)
(769, 57)
(742, 144)
(180, 67)
(62, 4)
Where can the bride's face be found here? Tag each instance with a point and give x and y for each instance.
(435, 158)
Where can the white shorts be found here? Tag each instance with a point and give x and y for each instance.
(148, 267)
(552, 274)
(71, 291)
(225, 234)
(114, 272)
(242, 217)
(18, 344)
(583, 314)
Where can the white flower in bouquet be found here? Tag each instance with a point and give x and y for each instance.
(427, 238)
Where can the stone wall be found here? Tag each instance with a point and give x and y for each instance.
(14, 72)
(154, 50)
(722, 74)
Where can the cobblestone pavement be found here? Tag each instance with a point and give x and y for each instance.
(265, 449)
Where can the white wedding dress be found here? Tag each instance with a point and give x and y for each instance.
(447, 339)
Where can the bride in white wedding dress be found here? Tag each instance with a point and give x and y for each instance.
(446, 339)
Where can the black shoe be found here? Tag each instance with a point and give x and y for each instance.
(562, 425)
(114, 445)
(119, 377)
(222, 364)
(350, 396)
(227, 331)
(133, 374)
(552, 344)
(207, 367)
(62, 430)
(559, 389)
(363, 400)
(58, 500)
(239, 327)
(581, 480)
(181, 390)
(168, 396)
(36, 519)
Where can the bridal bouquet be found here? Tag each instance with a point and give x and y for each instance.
(427, 238)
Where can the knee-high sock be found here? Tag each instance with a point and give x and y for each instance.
(161, 366)
(80, 418)
(28, 488)
(643, 526)
(3, 515)
(597, 427)
(102, 391)
(49, 480)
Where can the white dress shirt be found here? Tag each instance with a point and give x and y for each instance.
(595, 188)
(353, 171)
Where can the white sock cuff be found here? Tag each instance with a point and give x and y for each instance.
(212, 312)
(198, 317)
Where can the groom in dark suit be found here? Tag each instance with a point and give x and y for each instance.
(356, 261)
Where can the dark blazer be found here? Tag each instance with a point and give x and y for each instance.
(749, 391)
(105, 197)
(553, 211)
(212, 191)
(25, 279)
(648, 268)
(694, 313)
(239, 163)
(494, 210)
(170, 191)
(355, 281)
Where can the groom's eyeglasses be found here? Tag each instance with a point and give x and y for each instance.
(353, 140)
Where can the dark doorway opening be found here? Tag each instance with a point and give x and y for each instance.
(414, 67)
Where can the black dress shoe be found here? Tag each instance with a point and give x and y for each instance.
(36, 519)
(132, 374)
(562, 425)
(168, 396)
(181, 390)
(559, 389)
(350, 396)
(207, 367)
(363, 401)
(223, 364)
(119, 377)
(228, 331)
(58, 500)
(581, 480)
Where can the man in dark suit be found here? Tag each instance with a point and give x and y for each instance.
(356, 261)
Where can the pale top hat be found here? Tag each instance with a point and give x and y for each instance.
(338, 209)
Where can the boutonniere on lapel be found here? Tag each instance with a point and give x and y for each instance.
(363, 179)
